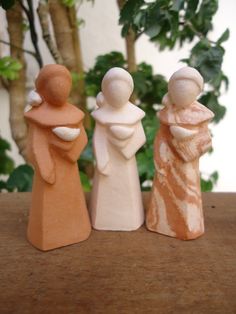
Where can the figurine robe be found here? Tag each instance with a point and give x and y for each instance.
(58, 214)
(116, 201)
(176, 207)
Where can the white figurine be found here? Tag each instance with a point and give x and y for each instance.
(116, 201)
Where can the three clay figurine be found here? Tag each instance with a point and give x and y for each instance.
(176, 206)
(58, 214)
(116, 201)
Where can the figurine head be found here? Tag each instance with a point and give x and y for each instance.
(184, 87)
(117, 87)
(54, 84)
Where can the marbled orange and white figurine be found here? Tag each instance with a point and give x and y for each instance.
(116, 202)
(58, 214)
(175, 207)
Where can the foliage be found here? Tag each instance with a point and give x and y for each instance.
(7, 4)
(9, 68)
(207, 184)
(69, 3)
(18, 179)
(6, 163)
(168, 24)
(103, 63)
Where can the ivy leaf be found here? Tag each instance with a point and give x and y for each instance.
(211, 101)
(207, 184)
(21, 179)
(207, 59)
(3, 185)
(223, 37)
(6, 163)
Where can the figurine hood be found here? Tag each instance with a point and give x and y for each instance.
(53, 85)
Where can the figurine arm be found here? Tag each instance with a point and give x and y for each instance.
(70, 142)
(79, 145)
(121, 132)
(193, 146)
(100, 149)
(42, 156)
(135, 143)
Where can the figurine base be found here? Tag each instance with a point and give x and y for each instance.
(184, 237)
(55, 245)
(131, 228)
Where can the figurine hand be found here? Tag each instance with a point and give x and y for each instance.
(105, 170)
(181, 133)
(49, 177)
(121, 132)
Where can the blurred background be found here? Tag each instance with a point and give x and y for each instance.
(148, 38)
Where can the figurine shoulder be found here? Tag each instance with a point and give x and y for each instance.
(129, 115)
(48, 116)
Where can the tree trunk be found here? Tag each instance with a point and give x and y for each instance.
(17, 88)
(129, 44)
(66, 32)
(79, 63)
(43, 14)
(130, 50)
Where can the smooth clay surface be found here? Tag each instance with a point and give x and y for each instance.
(175, 208)
(58, 213)
(116, 202)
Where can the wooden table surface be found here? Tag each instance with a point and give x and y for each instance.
(120, 272)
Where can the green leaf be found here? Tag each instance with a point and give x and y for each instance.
(7, 4)
(207, 59)
(223, 37)
(153, 31)
(3, 185)
(9, 68)
(6, 163)
(206, 185)
(210, 100)
(177, 5)
(129, 9)
(69, 3)
(21, 179)
(85, 182)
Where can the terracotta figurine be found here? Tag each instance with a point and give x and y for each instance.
(58, 214)
(176, 205)
(116, 202)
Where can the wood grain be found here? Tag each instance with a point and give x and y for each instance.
(120, 272)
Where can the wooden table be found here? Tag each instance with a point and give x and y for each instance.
(120, 272)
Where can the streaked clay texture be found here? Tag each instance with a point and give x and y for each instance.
(176, 206)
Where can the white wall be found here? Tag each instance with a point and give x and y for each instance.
(101, 34)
